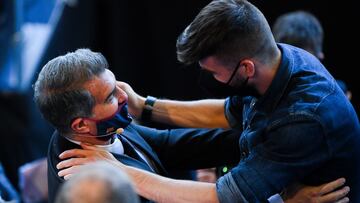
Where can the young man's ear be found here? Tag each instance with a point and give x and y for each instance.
(80, 125)
(249, 67)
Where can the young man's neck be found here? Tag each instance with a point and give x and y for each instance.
(267, 73)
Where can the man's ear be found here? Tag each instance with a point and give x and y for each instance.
(80, 125)
(249, 67)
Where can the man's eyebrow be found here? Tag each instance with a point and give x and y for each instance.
(111, 93)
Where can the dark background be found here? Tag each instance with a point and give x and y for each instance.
(138, 39)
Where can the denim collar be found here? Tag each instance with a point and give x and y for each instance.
(277, 88)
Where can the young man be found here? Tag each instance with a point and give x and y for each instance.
(296, 123)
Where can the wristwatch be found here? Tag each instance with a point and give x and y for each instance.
(148, 107)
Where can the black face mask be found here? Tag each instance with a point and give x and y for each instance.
(221, 90)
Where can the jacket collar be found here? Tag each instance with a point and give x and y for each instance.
(272, 96)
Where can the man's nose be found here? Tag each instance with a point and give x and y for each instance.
(121, 95)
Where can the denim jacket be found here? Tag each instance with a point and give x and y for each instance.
(303, 129)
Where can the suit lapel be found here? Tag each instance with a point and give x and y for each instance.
(132, 135)
(61, 144)
(132, 162)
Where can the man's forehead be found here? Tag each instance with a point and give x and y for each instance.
(101, 85)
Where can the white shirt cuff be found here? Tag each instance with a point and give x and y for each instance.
(276, 199)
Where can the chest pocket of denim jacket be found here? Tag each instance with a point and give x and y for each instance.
(244, 150)
(253, 133)
(243, 143)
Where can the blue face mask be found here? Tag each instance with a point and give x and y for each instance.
(106, 128)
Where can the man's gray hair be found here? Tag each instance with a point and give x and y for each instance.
(59, 91)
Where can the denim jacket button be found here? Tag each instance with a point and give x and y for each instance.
(243, 154)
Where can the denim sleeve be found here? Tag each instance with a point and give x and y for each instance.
(289, 153)
(227, 190)
(233, 112)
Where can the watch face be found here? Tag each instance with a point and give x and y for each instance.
(146, 113)
(150, 101)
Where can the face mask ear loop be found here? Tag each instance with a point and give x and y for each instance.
(234, 72)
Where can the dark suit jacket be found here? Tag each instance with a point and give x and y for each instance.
(170, 149)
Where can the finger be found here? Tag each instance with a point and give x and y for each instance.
(122, 85)
(69, 171)
(343, 200)
(328, 187)
(71, 162)
(334, 196)
(73, 153)
(67, 177)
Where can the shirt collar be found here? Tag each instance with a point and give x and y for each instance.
(115, 147)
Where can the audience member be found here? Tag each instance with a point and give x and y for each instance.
(98, 182)
(304, 30)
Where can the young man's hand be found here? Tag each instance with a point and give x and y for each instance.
(333, 192)
(135, 101)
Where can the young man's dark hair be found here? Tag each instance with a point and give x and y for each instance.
(241, 31)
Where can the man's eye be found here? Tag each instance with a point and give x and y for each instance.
(110, 99)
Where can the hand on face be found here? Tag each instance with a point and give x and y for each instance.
(77, 157)
(135, 101)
